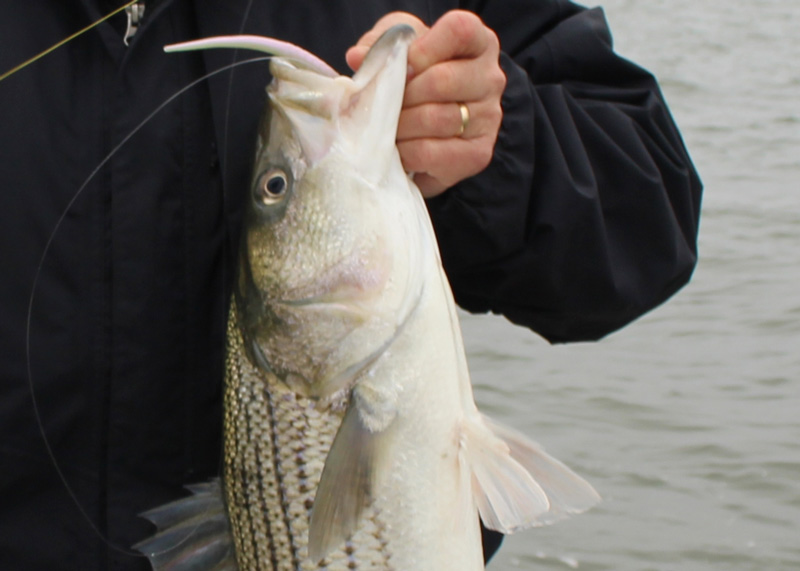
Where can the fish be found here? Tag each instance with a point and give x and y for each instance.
(351, 435)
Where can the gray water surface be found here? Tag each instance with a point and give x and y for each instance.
(687, 421)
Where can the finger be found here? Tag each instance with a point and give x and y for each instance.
(432, 120)
(444, 120)
(456, 80)
(428, 185)
(456, 35)
(355, 55)
(386, 22)
(447, 160)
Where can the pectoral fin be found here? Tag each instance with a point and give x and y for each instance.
(357, 464)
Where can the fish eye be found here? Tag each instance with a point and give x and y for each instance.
(272, 186)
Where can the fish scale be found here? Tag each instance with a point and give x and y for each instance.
(276, 443)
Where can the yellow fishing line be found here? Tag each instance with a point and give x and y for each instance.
(65, 40)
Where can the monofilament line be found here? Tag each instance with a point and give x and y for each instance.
(64, 41)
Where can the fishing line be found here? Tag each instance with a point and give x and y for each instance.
(54, 47)
(38, 273)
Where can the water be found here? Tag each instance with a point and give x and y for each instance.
(688, 420)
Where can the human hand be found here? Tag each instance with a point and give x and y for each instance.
(454, 62)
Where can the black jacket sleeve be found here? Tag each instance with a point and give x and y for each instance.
(587, 216)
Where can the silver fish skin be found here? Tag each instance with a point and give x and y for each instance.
(352, 439)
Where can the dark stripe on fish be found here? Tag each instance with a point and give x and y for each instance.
(279, 478)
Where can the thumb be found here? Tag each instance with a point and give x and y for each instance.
(355, 55)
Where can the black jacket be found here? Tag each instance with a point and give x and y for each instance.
(585, 219)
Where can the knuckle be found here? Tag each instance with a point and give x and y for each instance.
(482, 155)
(494, 40)
(451, 120)
(495, 115)
(464, 26)
(435, 119)
(496, 112)
(426, 155)
(424, 118)
(415, 155)
(450, 81)
(444, 83)
(499, 79)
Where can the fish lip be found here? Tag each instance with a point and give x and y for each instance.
(325, 301)
(321, 299)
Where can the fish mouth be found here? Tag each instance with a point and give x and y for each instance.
(351, 284)
(335, 303)
(323, 299)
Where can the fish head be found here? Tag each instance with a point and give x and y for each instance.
(329, 248)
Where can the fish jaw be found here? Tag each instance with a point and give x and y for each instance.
(357, 115)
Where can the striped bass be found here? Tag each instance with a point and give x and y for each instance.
(352, 439)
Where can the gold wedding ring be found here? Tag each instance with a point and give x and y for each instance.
(464, 110)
